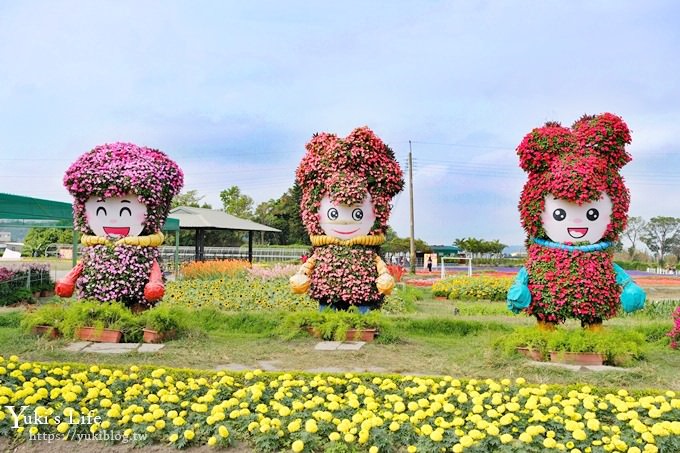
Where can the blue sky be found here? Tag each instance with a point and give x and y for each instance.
(233, 90)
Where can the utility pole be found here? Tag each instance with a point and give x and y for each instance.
(410, 194)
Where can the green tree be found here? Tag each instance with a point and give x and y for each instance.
(395, 244)
(37, 240)
(635, 228)
(660, 235)
(477, 246)
(284, 214)
(189, 198)
(236, 203)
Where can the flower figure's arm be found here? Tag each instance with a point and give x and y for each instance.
(299, 283)
(65, 286)
(385, 281)
(632, 296)
(155, 288)
(519, 297)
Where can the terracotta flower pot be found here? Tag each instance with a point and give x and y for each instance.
(99, 335)
(153, 336)
(577, 358)
(440, 298)
(533, 354)
(46, 331)
(547, 325)
(366, 335)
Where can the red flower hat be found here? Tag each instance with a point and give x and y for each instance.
(577, 165)
(345, 169)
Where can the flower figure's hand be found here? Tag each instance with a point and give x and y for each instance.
(153, 291)
(632, 296)
(299, 283)
(385, 284)
(519, 296)
(66, 285)
(64, 288)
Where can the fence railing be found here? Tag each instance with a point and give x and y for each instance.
(267, 254)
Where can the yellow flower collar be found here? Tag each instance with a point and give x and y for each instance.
(152, 240)
(321, 239)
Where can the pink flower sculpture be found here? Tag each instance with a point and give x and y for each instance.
(347, 187)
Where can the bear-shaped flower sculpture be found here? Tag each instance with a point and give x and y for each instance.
(347, 186)
(573, 208)
(122, 197)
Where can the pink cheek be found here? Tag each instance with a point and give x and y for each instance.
(141, 218)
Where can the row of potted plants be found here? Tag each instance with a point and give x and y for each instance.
(105, 322)
(337, 325)
(614, 346)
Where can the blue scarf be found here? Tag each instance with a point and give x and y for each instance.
(571, 248)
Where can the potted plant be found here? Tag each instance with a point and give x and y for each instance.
(337, 325)
(97, 321)
(44, 321)
(163, 323)
(576, 347)
(531, 342)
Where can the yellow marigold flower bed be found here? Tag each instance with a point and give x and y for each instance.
(482, 287)
(305, 412)
(213, 268)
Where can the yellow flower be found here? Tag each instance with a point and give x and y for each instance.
(411, 449)
(334, 436)
(189, 434)
(549, 442)
(62, 427)
(212, 441)
(466, 441)
(223, 431)
(298, 446)
(373, 449)
(310, 426)
(173, 437)
(579, 434)
(436, 435)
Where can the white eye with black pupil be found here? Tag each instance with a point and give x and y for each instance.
(592, 214)
(357, 214)
(332, 214)
(559, 214)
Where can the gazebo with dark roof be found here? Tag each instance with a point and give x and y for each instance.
(200, 220)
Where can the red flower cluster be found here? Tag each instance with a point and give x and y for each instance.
(576, 284)
(577, 165)
(345, 169)
(674, 334)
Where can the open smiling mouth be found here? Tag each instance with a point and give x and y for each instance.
(117, 231)
(346, 232)
(577, 233)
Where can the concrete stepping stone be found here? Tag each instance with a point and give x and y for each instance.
(596, 368)
(77, 346)
(150, 347)
(350, 345)
(111, 348)
(330, 369)
(268, 365)
(233, 367)
(327, 345)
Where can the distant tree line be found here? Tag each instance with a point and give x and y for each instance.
(477, 246)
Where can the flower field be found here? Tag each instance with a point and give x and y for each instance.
(312, 412)
(483, 287)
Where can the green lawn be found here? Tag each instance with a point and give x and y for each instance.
(432, 341)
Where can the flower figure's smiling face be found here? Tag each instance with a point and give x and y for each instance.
(115, 216)
(564, 221)
(346, 221)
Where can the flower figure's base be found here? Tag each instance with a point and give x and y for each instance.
(547, 325)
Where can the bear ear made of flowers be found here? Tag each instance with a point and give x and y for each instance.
(574, 205)
(122, 195)
(347, 187)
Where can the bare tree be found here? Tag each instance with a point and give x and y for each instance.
(636, 226)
